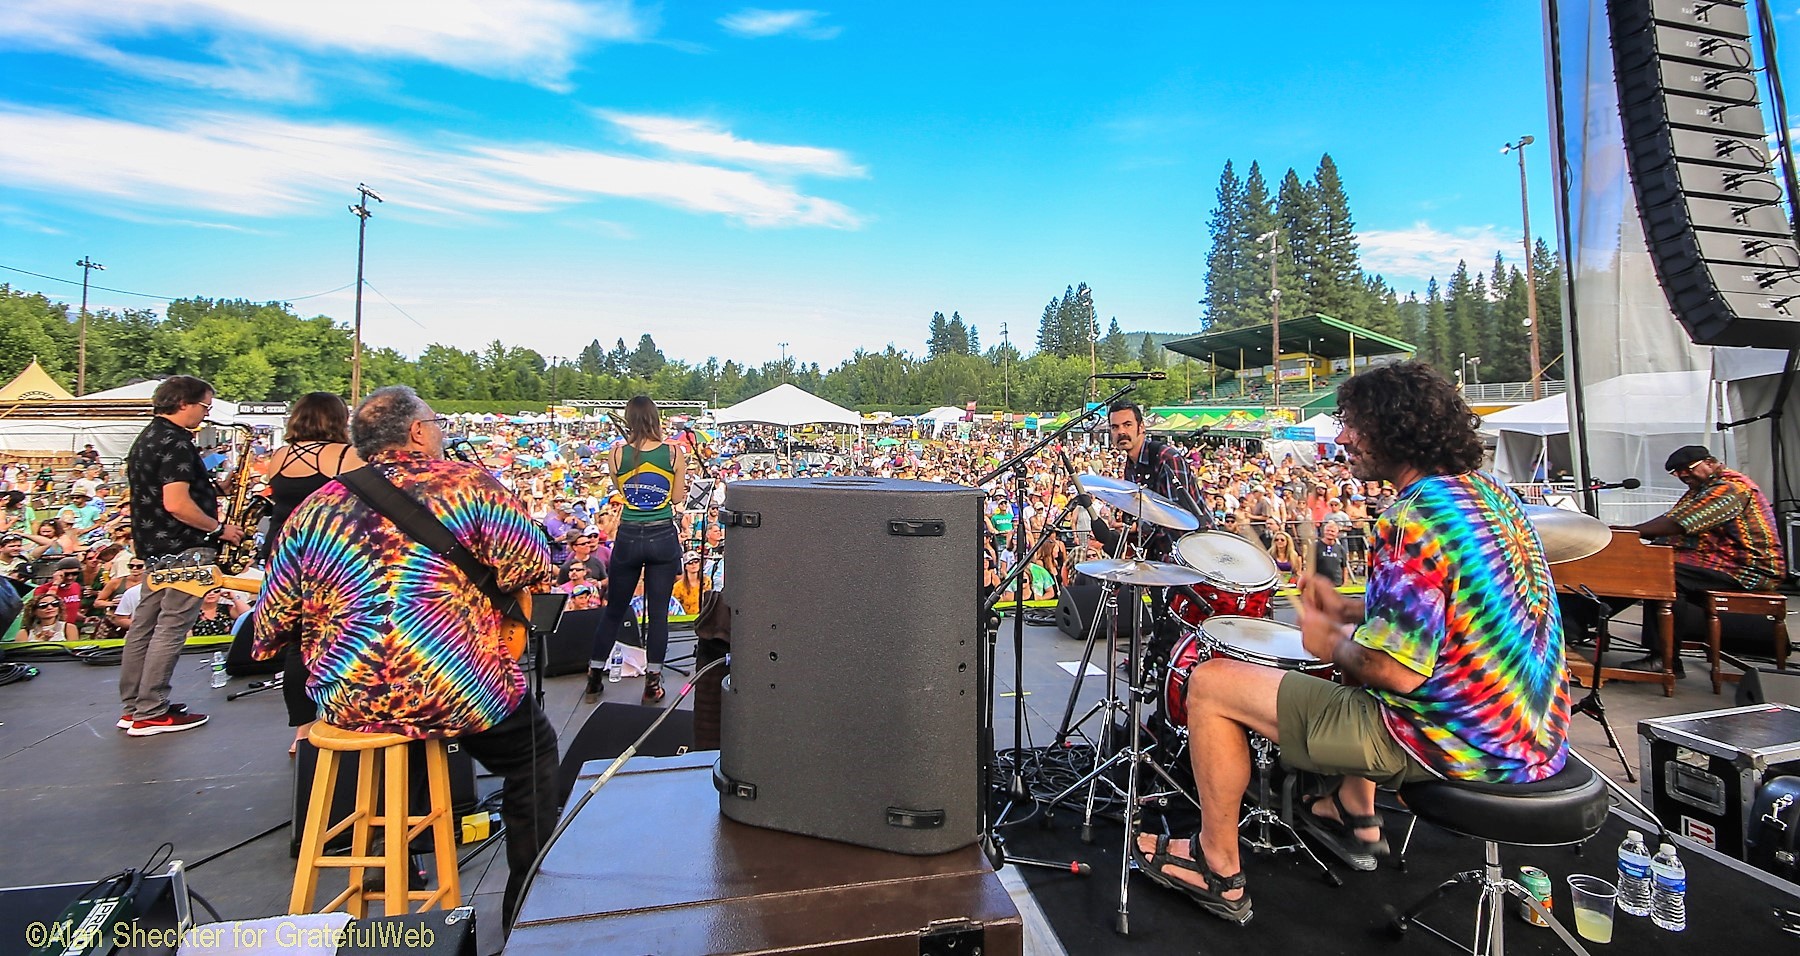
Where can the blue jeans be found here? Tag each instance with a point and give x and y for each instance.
(652, 550)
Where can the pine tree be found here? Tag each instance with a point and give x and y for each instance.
(974, 340)
(1224, 265)
(1547, 272)
(1113, 348)
(1336, 270)
(1437, 325)
(1298, 214)
(939, 341)
(1049, 337)
(593, 358)
(1464, 310)
(1080, 326)
(1150, 356)
(1259, 220)
(957, 337)
(618, 361)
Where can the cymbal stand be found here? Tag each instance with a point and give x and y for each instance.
(1591, 704)
(1265, 819)
(1106, 609)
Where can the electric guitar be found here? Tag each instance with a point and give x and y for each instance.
(515, 636)
(197, 579)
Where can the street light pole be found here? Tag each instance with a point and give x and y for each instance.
(1531, 311)
(87, 265)
(1273, 238)
(784, 366)
(1005, 369)
(361, 212)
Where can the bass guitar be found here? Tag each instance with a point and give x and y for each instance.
(197, 579)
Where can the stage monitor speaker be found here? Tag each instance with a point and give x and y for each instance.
(853, 708)
(612, 727)
(1701, 169)
(1076, 605)
(306, 760)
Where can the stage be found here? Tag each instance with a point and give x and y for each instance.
(83, 800)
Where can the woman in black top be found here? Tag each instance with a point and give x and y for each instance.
(317, 451)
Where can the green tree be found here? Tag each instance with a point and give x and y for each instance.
(957, 335)
(1335, 272)
(1547, 269)
(1115, 350)
(1436, 340)
(1150, 356)
(1297, 211)
(939, 341)
(646, 360)
(1225, 268)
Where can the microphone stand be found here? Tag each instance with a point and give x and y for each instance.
(1016, 789)
(1592, 705)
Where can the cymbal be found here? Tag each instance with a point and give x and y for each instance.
(1092, 483)
(1151, 573)
(1568, 535)
(1147, 505)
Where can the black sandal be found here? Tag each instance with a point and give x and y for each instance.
(1340, 834)
(653, 688)
(1210, 899)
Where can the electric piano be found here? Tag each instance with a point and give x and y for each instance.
(1627, 568)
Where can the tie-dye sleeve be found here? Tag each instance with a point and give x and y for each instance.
(1406, 598)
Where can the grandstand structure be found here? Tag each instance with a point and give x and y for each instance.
(1317, 352)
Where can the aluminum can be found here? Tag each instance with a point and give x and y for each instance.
(1537, 883)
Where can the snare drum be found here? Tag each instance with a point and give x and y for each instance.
(1253, 640)
(1240, 577)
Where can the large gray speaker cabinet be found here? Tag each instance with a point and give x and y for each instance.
(853, 711)
(1702, 170)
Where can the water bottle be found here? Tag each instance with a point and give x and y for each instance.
(1668, 896)
(1634, 875)
(615, 668)
(218, 663)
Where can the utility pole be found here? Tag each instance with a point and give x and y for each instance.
(1092, 331)
(1005, 369)
(87, 265)
(1273, 237)
(361, 212)
(784, 365)
(1531, 311)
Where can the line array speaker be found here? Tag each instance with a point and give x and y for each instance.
(1701, 166)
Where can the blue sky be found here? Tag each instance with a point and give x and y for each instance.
(728, 178)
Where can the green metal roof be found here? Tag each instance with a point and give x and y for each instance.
(1317, 334)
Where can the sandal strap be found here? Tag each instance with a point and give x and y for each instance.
(1355, 821)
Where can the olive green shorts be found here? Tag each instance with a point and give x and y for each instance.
(1331, 729)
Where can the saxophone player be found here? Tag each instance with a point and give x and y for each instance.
(174, 510)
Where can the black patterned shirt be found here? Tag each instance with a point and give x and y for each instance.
(165, 454)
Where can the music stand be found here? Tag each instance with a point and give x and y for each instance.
(545, 617)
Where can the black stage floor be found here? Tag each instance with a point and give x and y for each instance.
(81, 800)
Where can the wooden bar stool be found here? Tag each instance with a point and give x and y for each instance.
(382, 802)
(1764, 604)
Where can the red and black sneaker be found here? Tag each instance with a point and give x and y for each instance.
(166, 723)
(125, 720)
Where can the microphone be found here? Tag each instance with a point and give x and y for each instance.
(1628, 484)
(1133, 376)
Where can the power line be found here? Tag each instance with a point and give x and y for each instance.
(168, 298)
(389, 301)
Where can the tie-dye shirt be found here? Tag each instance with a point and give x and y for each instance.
(1459, 592)
(397, 639)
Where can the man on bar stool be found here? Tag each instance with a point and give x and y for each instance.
(1724, 535)
(1452, 666)
(396, 638)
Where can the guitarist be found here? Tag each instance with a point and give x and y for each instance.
(396, 637)
(175, 510)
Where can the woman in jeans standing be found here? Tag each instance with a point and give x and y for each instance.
(649, 478)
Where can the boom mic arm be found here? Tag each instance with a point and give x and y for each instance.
(1133, 376)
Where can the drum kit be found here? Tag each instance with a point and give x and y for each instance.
(1217, 595)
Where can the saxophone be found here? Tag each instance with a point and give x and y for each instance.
(242, 509)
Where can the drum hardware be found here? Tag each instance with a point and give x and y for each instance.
(1568, 535)
(1591, 704)
(1263, 819)
(1238, 577)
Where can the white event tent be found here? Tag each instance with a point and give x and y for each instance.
(111, 437)
(787, 405)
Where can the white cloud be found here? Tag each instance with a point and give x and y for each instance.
(701, 138)
(531, 40)
(245, 165)
(1421, 251)
(752, 22)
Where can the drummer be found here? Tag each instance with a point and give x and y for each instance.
(1159, 467)
(1452, 669)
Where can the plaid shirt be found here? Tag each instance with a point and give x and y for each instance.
(1730, 528)
(1162, 468)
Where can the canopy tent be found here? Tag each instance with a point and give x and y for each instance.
(1325, 428)
(1536, 433)
(34, 384)
(787, 405)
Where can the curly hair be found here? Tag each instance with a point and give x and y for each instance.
(1407, 413)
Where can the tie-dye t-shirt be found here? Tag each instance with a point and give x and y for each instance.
(397, 639)
(1459, 592)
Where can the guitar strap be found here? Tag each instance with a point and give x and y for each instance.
(376, 491)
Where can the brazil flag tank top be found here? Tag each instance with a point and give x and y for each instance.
(647, 483)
